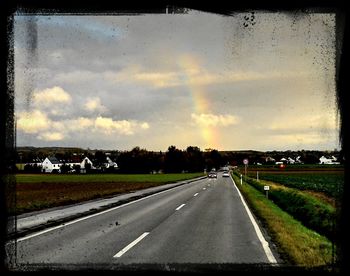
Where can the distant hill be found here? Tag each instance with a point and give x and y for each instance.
(248, 152)
(60, 149)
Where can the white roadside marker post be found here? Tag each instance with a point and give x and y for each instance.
(267, 188)
(241, 179)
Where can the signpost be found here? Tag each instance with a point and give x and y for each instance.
(245, 162)
(267, 188)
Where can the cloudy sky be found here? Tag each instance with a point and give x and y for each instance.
(255, 80)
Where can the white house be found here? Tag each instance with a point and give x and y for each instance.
(325, 160)
(283, 160)
(269, 159)
(291, 160)
(297, 160)
(85, 161)
(77, 161)
(36, 161)
(51, 163)
(110, 163)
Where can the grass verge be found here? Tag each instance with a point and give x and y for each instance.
(311, 211)
(296, 244)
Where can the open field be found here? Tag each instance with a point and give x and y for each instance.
(310, 194)
(329, 182)
(35, 192)
(103, 178)
(296, 167)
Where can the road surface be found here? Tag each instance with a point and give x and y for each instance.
(203, 222)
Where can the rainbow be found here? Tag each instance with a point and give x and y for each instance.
(192, 70)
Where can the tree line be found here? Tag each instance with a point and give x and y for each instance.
(174, 160)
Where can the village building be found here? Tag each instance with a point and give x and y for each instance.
(326, 160)
(285, 161)
(290, 160)
(269, 159)
(282, 161)
(51, 164)
(110, 163)
(78, 161)
(36, 162)
(298, 161)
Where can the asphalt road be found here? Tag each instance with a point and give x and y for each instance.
(202, 222)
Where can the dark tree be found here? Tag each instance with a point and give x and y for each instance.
(213, 160)
(100, 158)
(76, 168)
(29, 168)
(174, 161)
(194, 159)
(65, 168)
(88, 167)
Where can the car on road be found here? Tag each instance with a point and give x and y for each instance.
(212, 175)
(226, 174)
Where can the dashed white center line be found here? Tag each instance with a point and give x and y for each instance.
(204, 188)
(195, 194)
(126, 248)
(178, 208)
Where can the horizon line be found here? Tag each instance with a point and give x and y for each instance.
(222, 150)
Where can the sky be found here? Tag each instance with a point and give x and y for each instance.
(256, 80)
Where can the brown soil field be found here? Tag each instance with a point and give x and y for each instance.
(37, 196)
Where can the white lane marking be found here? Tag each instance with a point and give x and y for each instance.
(93, 215)
(264, 243)
(195, 194)
(178, 208)
(130, 245)
(204, 188)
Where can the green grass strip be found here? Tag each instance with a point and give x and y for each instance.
(296, 244)
(312, 212)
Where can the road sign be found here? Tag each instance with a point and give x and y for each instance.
(245, 161)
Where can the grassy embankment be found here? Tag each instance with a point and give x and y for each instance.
(39, 191)
(297, 244)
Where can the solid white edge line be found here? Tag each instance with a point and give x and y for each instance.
(264, 243)
(87, 217)
(195, 194)
(130, 245)
(178, 208)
